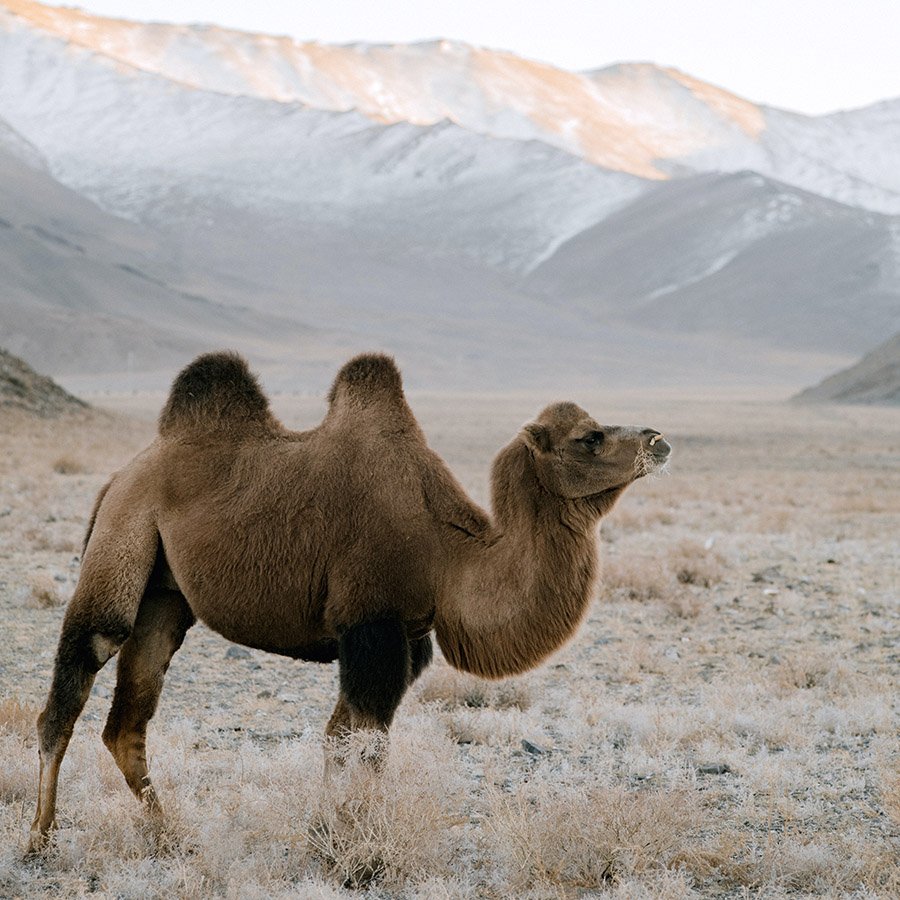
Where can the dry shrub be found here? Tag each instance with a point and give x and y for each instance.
(685, 604)
(775, 520)
(490, 727)
(890, 795)
(635, 578)
(693, 563)
(17, 741)
(450, 688)
(69, 465)
(41, 591)
(586, 836)
(803, 670)
(389, 826)
(791, 863)
(18, 718)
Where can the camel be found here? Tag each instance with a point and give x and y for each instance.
(351, 542)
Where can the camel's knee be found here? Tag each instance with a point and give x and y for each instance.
(81, 654)
(374, 670)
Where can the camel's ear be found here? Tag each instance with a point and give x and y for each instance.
(537, 437)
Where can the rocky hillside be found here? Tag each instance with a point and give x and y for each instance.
(22, 388)
(874, 379)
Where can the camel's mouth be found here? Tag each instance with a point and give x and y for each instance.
(652, 459)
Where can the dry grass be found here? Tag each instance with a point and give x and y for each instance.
(42, 591)
(587, 835)
(70, 465)
(724, 725)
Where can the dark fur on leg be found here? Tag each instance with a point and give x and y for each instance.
(374, 669)
(81, 654)
(421, 652)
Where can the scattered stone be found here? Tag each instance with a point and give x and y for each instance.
(534, 749)
(769, 574)
(237, 652)
(715, 769)
(61, 578)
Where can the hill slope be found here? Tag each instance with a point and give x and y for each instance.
(22, 388)
(874, 379)
(737, 255)
(86, 290)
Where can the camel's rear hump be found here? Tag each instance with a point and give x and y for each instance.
(217, 390)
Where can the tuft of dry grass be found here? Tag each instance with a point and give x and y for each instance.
(18, 718)
(694, 563)
(803, 670)
(588, 835)
(42, 591)
(890, 793)
(451, 689)
(70, 465)
(390, 826)
(635, 578)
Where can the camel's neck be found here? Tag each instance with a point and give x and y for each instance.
(512, 603)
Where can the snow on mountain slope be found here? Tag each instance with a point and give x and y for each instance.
(486, 91)
(638, 119)
(145, 147)
(13, 143)
(84, 290)
(851, 157)
(741, 256)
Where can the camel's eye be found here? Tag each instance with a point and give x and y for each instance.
(592, 440)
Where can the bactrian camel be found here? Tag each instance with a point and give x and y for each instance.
(348, 542)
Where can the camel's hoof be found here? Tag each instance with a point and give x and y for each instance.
(37, 844)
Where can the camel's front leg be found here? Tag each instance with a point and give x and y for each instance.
(377, 664)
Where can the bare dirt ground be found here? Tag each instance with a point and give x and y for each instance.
(724, 725)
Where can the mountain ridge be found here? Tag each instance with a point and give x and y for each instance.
(611, 117)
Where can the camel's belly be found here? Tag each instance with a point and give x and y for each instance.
(291, 585)
(245, 601)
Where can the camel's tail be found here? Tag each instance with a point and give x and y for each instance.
(216, 391)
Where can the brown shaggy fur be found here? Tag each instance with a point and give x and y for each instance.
(348, 542)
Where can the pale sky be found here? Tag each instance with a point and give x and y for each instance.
(812, 56)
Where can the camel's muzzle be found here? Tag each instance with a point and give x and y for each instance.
(656, 444)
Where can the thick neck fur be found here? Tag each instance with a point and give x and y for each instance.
(513, 601)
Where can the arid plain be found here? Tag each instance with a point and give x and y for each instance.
(724, 724)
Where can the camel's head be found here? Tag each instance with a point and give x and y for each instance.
(574, 456)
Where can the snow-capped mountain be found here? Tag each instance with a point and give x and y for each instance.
(639, 119)
(470, 210)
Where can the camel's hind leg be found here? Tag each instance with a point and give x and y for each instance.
(97, 622)
(162, 621)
